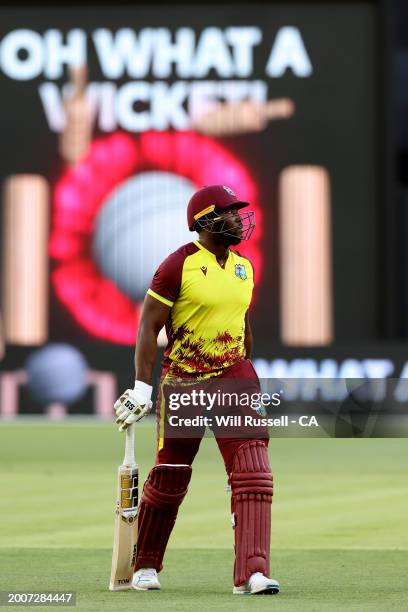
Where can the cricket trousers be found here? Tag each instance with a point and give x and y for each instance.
(244, 451)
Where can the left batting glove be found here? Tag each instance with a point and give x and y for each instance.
(133, 405)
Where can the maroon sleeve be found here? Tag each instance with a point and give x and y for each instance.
(166, 282)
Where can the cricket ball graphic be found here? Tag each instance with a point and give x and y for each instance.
(121, 210)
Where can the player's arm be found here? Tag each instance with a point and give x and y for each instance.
(164, 289)
(248, 337)
(135, 403)
(154, 316)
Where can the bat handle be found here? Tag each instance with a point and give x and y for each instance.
(281, 108)
(130, 446)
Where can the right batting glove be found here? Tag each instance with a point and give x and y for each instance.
(133, 405)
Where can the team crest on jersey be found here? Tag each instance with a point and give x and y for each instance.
(240, 271)
(228, 190)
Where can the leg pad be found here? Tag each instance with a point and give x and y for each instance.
(252, 490)
(163, 492)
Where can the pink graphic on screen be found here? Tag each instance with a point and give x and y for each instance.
(93, 300)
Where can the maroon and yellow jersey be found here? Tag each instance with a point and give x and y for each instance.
(206, 324)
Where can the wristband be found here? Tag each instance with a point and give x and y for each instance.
(144, 389)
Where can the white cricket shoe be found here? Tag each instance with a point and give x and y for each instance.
(258, 584)
(146, 579)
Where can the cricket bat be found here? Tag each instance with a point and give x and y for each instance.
(242, 117)
(76, 137)
(125, 533)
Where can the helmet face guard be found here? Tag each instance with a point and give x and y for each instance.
(219, 224)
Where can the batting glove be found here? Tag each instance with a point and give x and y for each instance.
(133, 405)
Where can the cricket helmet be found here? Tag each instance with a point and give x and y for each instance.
(210, 201)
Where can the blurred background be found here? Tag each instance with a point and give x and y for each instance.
(111, 119)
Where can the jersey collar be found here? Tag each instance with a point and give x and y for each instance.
(202, 247)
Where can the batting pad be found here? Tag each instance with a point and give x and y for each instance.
(163, 492)
(252, 489)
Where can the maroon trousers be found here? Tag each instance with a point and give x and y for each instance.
(168, 481)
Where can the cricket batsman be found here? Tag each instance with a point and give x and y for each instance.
(202, 293)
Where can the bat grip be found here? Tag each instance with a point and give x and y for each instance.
(281, 108)
(129, 446)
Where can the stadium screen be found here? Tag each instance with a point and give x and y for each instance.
(111, 119)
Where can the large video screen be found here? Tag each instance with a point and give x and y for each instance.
(112, 118)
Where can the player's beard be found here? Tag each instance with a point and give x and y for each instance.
(232, 237)
(230, 240)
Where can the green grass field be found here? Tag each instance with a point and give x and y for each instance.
(339, 522)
